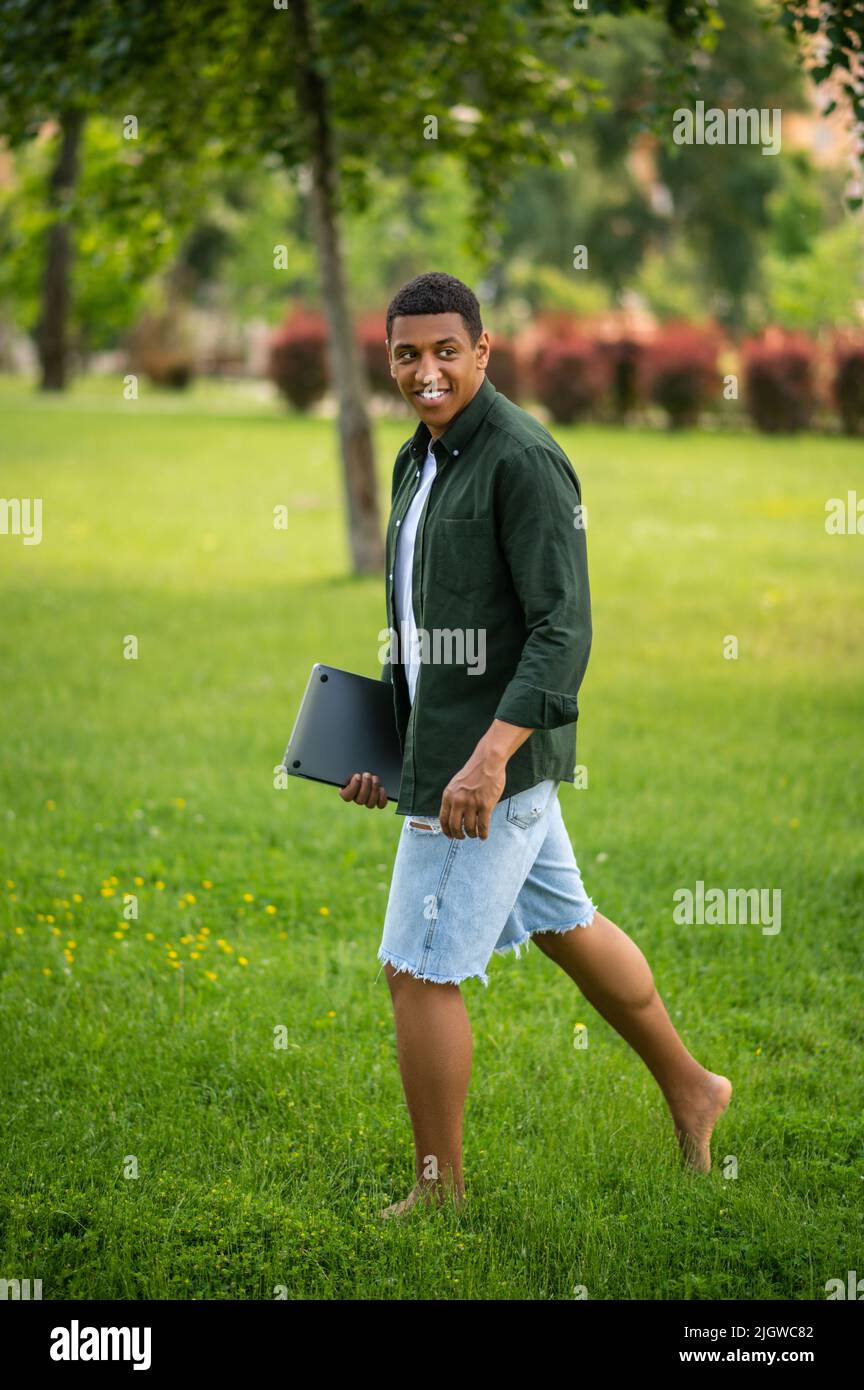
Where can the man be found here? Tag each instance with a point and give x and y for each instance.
(487, 583)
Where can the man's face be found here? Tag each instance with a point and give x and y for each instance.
(434, 365)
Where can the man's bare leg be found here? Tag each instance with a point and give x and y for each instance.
(615, 977)
(433, 1041)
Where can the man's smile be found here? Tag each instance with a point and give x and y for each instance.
(431, 395)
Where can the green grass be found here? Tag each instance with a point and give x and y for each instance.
(261, 1166)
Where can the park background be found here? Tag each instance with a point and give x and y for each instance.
(203, 1100)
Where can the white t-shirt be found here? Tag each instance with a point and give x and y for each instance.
(405, 624)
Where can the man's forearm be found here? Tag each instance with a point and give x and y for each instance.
(500, 742)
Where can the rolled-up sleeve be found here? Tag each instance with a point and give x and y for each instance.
(540, 531)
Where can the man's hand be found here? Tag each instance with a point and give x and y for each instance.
(472, 795)
(364, 788)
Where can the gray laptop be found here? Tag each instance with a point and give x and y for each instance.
(345, 724)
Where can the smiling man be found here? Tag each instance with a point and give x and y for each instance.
(486, 535)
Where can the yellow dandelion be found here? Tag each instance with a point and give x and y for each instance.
(138, 880)
(49, 918)
(794, 823)
(77, 898)
(331, 1013)
(270, 908)
(184, 940)
(248, 897)
(55, 931)
(172, 955)
(149, 936)
(45, 970)
(325, 911)
(61, 873)
(176, 964)
(193, 955)
(10, 883)
(205, 931)
(40, 916)
(107, 892)
(227, 948)
(181, 902)
(758, 1052)
(118, 934)
(71, 945)
(13, 897)
(205, 883)
(179, 802)
(113, 879)
(241, 960)
(69, 917)
(211, 974)
(190, 897)
(51, 805)
(283, 936)
(19, 931)
(159, 884)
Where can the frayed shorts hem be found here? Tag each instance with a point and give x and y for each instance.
(403, 966)
(584, 921)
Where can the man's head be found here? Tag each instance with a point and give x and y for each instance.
(438, 347)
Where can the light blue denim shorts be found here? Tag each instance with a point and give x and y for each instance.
(453, 902)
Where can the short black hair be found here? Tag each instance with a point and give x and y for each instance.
(437, 293)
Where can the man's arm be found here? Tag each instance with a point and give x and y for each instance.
(540, 532)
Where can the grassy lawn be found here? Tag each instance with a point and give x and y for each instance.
(156, 1142)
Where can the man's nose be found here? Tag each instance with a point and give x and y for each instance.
(427, 371)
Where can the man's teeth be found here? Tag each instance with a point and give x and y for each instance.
(432, 395)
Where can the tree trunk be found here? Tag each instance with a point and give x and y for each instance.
(51, 333)
(358, 461)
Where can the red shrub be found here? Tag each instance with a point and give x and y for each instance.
(503, 369)
(624, 357)
(569, 377)
(299, 359)
(679, 371)
(371, 333)
(847, 388)
(779, 380)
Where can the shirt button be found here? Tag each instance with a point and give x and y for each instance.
(399, 522)
(455, 453)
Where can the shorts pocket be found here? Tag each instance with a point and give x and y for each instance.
(525, 808)
(424, 825)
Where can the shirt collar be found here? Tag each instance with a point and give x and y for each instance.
(461, 428)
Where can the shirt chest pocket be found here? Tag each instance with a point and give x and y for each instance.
(462, 554)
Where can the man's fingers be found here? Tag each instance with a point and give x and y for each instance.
(349, 791)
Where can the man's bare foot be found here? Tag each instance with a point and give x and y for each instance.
(695, 1117)
(425, 1194)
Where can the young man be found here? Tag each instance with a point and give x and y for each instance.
(487, 587)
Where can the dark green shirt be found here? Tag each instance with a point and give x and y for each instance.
(499, 559)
